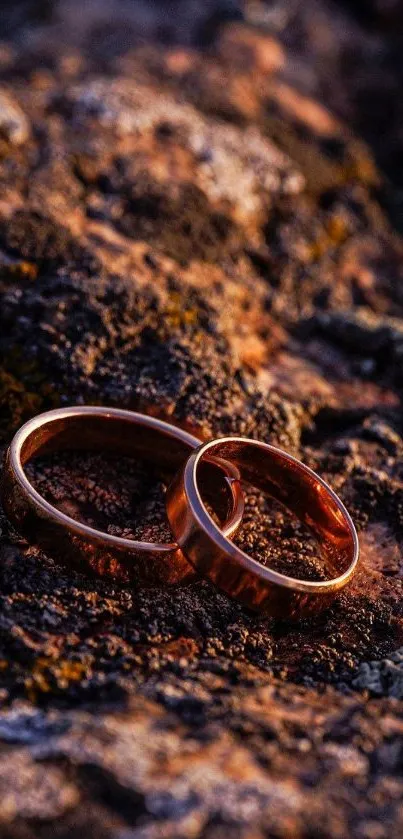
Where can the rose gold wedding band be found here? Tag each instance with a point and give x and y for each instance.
(300, 490)
(120, 432)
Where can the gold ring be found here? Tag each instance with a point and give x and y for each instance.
(119, 432)
(300, 490)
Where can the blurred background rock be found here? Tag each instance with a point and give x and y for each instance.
(201, 215)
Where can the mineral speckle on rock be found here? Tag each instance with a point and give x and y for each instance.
(200, 217)
(14, 126)
(382, 677)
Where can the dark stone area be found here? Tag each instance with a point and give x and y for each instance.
(200, 217)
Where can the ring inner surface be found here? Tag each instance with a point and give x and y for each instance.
(113, 434)
(300, 492)
(127, 438)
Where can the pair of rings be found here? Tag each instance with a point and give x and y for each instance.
(212, 470)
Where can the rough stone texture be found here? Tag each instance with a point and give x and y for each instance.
(199, 217)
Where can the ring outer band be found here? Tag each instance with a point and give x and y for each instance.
(84, 547)
(241, 577)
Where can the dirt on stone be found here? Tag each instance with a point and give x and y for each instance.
(200, 216)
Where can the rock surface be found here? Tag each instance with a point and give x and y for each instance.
(199, 219)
